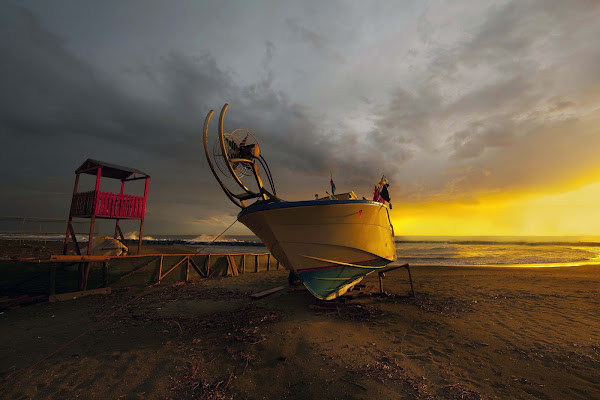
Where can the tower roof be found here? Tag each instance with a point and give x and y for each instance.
(110, 170)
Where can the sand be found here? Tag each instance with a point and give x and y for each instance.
(469, 333)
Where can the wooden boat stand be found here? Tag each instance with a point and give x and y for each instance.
(382, 273)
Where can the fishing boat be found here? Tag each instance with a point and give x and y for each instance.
(329, 244)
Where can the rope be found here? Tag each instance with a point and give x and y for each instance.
(64, 346)
(13, 376)
(215, 239)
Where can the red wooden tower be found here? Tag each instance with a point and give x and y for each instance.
(96, 204)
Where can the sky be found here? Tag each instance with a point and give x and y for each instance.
(484, 116)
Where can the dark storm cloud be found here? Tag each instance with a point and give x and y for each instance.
(480, 96)
(55, 111)
(50, 92)
(60, 110)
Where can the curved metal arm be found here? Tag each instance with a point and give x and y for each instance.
(226, 156)
(238, 199)
(265, 166)
(239, 203)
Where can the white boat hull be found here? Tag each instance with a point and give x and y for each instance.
(330, 244)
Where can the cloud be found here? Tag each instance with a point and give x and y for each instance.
(504, 98)
(270, 48)
(510, 89)
(216, 220)
(62, 111)
(317, 41)
(479, 136)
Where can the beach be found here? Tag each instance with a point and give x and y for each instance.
(469, 333)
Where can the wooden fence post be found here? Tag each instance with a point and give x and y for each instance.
(185, 258)
(86, 274)
(160, 268)
(187, 269)
(195, 266)
(231, 266)
(105, 273)
(52, 280)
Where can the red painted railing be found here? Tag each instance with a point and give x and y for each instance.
(108, 205)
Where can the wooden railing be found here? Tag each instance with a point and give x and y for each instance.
(82, 204)
(119, 205)
(108, 205)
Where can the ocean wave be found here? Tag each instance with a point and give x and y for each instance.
(204, 238)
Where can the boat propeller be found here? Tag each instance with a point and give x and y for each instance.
(236, 156)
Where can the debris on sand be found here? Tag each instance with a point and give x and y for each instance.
(232, 336)
(448, 306)
(387, 371)
(242, 325)
(191, 385)
(341, 309)
(459, 391)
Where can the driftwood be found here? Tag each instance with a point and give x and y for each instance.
(266, 293)
(74, 295)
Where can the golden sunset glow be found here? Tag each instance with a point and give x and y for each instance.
(348, 199)
(484, 118)
(575, 213)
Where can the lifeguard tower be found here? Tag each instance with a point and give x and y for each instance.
(96, 204)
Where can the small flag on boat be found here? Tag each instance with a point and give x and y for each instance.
(332, 186)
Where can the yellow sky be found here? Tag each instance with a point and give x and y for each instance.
(575, 212)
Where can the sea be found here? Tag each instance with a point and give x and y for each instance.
(449, 251)
(488, 251)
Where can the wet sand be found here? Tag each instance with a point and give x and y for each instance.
(469, 333)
